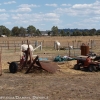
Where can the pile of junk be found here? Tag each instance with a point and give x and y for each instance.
(88, 60)
(29, 63)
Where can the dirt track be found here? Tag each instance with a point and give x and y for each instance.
(66, 84)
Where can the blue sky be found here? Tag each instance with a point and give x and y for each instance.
(43, 14)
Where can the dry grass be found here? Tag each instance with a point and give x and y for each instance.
(65, 84)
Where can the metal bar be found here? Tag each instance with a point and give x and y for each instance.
(32, 64)
(0, 65)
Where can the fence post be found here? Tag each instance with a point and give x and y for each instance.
(41, 46)
(68, 44)
(36, 43)
(91, 44)
(22, 42)
(69, 51)
(0, 65)
(8, 44)
(1, 49)
(15, 47)
(73, 44)
(55, 45)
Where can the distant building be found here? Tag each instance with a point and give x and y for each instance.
(44, 33)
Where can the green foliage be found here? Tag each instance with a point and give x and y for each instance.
(49, 33)
(62, 33)
(54, 29)
(22, 31)
(4, 31)
(31, 30)
(38, 33)
(15, 31)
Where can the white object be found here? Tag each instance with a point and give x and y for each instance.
(3, 36)
(24, 47)
(71, 47)
(58, 43)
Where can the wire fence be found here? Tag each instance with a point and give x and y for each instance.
(14, 45)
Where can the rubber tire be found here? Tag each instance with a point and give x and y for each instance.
(76, 67)
(95, 68)
(13, 67)
(91, 68)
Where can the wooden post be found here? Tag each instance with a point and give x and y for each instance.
(36, 43)
(54, 45)
(41, 46)
(1, 49)
(91, 44)
(22, 42)
(8, 45)
(0, 65)
(73, 44)
(69, 51)
(15, 47)
(77, 43)
(68, 44)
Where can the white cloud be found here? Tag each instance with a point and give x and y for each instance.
(36, 17)
(65, 5)
(42, 24)
(4, 16)
(7, 23)
(10, 2)
(2, 10)
(51, 15)
(27, 5)
(81, 9)
(22, 10)
(81, 6)
(92, 19)
(52, 5)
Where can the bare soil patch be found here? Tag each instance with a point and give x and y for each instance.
(65, 84)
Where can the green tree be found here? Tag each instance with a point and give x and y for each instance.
(2, 28)
(92, 32)
(98, 32)
(38, 33)
(49, 33)
(85, 33)
(4, 31)
(54, 29)
(22, 31)
(31, 30)
(73, 34)
(8, 32)
(62, 33)
(15, 31)
(68, 33)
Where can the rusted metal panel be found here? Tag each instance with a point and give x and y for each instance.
(49, 66)
(84, 50)
(0, 65)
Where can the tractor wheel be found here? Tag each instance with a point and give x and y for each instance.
(91, 68)
(95, 68)
(13, 67)
(76, 67)
(85, 68)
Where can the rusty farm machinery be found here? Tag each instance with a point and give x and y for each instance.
(29, 63)
(88, 63)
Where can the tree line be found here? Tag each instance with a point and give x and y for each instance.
(32, 31)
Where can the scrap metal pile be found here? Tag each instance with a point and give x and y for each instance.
(28, 63)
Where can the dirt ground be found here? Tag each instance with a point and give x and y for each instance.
(65, 84)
